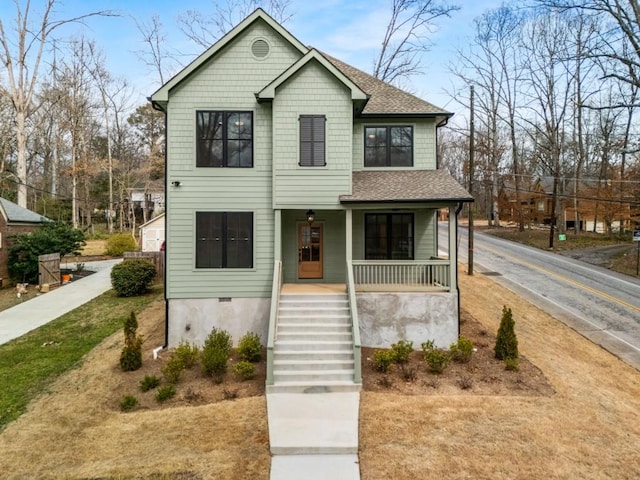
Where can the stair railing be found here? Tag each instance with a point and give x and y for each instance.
(355, 324)
(276, 287)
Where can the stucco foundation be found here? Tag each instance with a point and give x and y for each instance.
(192, 320)
(386, 318)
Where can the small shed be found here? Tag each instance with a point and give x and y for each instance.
(14, 219)
(152, 234)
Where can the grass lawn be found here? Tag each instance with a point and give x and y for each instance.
(30, 363)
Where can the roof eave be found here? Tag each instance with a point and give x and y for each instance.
(410, 200)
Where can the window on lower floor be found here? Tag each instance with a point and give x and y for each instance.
(388, 146)
(224, 239)
(224, 139)
(389, 236)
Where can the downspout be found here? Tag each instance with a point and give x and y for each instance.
(166, 202)
(458, 210)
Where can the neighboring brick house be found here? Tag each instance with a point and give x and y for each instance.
(14, 219)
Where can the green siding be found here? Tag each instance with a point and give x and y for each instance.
(424, 142)
(424, 231)
(312, 91)
(228, 81)
(334, 247)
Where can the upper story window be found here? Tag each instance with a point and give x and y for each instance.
(224, 139)
(388, 146)
(224, 239)
(312, 140)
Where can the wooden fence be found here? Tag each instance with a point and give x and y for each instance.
(156, 258)
(49, 269)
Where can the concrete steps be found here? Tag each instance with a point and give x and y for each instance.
(314, 344)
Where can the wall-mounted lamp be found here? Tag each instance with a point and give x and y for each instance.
(176, 183)
(311, 215)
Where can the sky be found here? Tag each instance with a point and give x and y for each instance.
(351, 30)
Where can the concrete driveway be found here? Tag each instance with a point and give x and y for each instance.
(18, 320)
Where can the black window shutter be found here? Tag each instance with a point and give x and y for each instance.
(312, 140)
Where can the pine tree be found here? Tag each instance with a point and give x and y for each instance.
(506, 341)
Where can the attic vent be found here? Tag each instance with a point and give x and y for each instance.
(260, 48)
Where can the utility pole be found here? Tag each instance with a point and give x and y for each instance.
(471, 174)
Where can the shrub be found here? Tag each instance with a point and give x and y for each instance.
(401, 351)
(165, 393)
(229, 393)
(149, 382)
(245, 370)
(131, 356)
(215, 353)
(22, 261)
(506, 341)
(410, 374)
(119, 243)
(172, 370)
(128, 402)
(383, 359)
(435, 358)
(250, 348)
(465, 382)
(187, 353)
(511, 364)
(462, 350)
(132, 277)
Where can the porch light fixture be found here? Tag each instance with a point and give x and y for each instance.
(311, 215)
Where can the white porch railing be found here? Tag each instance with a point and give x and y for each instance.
(402, 275)
(273, 317)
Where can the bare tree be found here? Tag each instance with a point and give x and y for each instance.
(206, 29)
(407, 37)
(549, 90)
(21, 55)
(623, 47)
(156, 55)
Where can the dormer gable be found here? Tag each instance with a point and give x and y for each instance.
(358, 96)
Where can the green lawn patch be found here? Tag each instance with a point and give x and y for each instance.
(30, 363)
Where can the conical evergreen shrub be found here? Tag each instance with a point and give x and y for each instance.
(131, 356)
(506, 341)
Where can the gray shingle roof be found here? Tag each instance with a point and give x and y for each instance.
(406, 186)
(385, 98)
(16, 213)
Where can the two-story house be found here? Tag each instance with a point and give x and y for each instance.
(292, 173)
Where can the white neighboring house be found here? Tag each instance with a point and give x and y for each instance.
(152, 234)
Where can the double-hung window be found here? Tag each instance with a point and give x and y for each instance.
(224, 239)
(388, 236)
(388, 146)
(312, 140)
(224, 139)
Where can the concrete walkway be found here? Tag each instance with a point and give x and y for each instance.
(314, 436)
(27, 316)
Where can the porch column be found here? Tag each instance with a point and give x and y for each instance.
(453, 252)
(277, 235)
(349, 234)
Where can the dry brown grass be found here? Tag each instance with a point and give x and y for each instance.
(587, 429)
(94, 247)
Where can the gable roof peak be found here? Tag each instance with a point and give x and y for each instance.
(161, 96)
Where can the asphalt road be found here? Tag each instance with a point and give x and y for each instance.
(602, 305)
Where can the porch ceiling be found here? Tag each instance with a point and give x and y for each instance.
(406, 186)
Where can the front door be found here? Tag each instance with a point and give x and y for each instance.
(309, 251)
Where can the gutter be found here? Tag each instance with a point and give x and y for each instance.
(158, 107)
